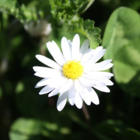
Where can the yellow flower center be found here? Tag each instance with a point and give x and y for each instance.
(73, 69)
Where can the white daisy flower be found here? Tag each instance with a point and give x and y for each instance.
(74, 73)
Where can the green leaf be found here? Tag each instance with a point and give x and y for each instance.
(64, 10)
(25, 13)
(34, 129)
(132, 134)
(11, 7)
(86, 6)
(66, 15)
(122, 39)
(29, 126)
(8, 5)
(87, 29)
(25, 129)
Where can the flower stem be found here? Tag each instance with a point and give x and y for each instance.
(85, 111)
(87, 117)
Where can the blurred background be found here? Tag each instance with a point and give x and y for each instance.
(25, 115)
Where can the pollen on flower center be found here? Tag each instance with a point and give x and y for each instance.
(73, 69)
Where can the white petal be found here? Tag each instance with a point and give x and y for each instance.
(100, 73)
(97, 50)
(71, 92)
(108, 82)
(103, 89)
(48, 62)
(66, 49)
(79, 56)
(38, 68)
(90, 82)
(58, 82)
(100, 65)
(84, 82)
(108, 66)
(93, 81)
(93, 95)
(96, 58)
(71, 95)
(70, 44)
(84, 46)
(75, 46)
(71, 101)
(66, 86)
(78, 86)
(91, 53)
(96, 77)
(54, 92)
(86, 96)
(78, 101)
(42, 82)
(48, 74)
(83, 50)
(61, 102)
(58, 86)
(87, 56)
(51, 81)
(45, 90)
(56, 53)
(45, 69)
(99, 55)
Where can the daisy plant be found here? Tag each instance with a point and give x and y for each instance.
(74, 73)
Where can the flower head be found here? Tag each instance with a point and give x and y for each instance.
(73, 73)
(38, 28)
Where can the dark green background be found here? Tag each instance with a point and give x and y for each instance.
(25, 115)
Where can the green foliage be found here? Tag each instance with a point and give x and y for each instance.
(122, 39)
(11, 7)
(34, 129)
(25, 13)
(8, 5)
(25, 128)
(87, 29)
(65, 10)
(87, 5)
(66, 15)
